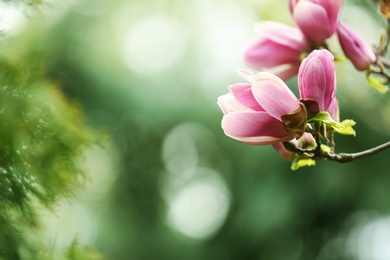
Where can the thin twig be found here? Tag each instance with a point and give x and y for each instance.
(349, 157)
(384, 44)
(387, 38)
(384, 61)
(380, 68)
(318, 153)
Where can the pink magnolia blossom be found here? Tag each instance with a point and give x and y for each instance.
(278, 49)
(354, 47)
(317, 80)
(265, 111)
(253, 111)
(317, 19)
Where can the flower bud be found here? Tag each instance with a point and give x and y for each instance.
(354, 47)
(317, 79)
(317, 19)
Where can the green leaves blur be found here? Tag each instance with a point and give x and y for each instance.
(42, 141)
(42, 136)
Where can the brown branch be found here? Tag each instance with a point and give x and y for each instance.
(379, 68)
(318, 153)
(349, 157)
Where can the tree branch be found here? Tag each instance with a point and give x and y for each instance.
(349, 157)
(318, 153)
(384, 44)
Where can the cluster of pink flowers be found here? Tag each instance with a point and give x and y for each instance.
(280, 47)
(264, 111)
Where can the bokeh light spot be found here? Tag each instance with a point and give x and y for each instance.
(153, 44)
(72, 220)
(199, 208)
(12, 20)
(179, 150)
(370, 239)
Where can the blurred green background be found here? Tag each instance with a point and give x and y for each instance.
(164, 181)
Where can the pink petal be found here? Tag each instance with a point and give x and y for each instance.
(264, 53)
(313, 21)
(249, 76)
(317, 79)
(282, 34)
(228, 103)
(291, 5)
(243, 93)
(254, 127)
(274, 95)
(286, 154)
(312, 82)
(328, 64)
(333, 8)
(333, 110)
(285, 71)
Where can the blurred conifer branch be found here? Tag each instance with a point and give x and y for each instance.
(43, 138)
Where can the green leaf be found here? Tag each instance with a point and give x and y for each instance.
(348, 122)
(303, 55)
(325, 118)
(376, 84)
(340, 58)
(348, 130)
(325, 148)
(296, 164)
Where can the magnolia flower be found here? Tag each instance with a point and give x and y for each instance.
(317, 82)
(259, 112)
(354, 47)
(265, 111)
(278, 49)
(317, 19)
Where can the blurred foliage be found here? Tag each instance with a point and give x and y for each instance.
(74, 61)
(28, 2)
(42, 140)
